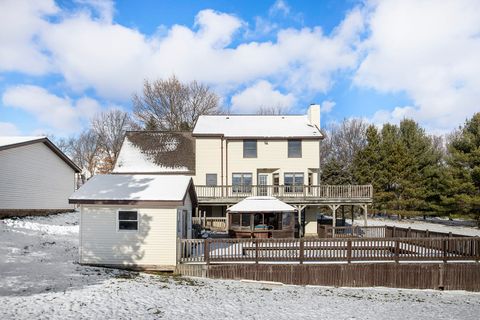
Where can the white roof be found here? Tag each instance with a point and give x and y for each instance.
(261, 204)
(132, 159)
(6, 141)
(256, 126)
(138, 187)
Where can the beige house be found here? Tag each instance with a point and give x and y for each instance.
(134, 220)
(231, 157)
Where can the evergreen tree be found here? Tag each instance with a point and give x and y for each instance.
(463, 161)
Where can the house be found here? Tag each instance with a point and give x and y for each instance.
(134, 221)
(35, 177)
(238, 156)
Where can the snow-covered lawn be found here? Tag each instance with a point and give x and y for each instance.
(39, 279)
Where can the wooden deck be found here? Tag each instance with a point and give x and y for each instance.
(318, 194)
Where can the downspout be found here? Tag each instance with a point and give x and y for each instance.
(221, 163)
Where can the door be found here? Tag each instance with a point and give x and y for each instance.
(263, 184)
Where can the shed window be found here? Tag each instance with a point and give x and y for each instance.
(127, 220)
(294, 148)
(249, 148)
(212, 179)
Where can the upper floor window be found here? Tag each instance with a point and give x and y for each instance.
(294, 148)
(249, 148)
(211, 179)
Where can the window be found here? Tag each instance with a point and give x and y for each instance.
(249, 148)
(211, 179)
(276, 182)
(127, 220)
(294, 148)
(293, 182)
(242, 182)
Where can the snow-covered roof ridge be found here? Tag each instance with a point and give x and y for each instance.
(261, 204)
(274, 126)
(10, 140)
(131, 187)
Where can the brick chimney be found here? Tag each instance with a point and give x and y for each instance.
(313, 114)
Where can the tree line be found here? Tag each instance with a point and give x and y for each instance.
(412, 172)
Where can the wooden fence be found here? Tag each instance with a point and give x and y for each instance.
(379, 232)
(212, 223)
(328, 250)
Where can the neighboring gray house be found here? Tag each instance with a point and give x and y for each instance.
(35, 177)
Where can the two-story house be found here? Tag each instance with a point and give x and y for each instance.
(231, 157)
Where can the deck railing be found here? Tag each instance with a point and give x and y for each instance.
(379, 232)
(212, 223)
(360, 192)
(323, 250)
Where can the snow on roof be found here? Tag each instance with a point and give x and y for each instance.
(256, 126)
(134, 188)
(261, 204)
(156, 152)
(6, 141)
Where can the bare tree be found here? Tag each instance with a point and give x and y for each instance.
(272, 110)
(110, 127)
(174, 105)
(85, 153)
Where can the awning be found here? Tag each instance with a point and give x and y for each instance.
(261, 204)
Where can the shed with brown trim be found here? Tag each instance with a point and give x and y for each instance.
(134, 220)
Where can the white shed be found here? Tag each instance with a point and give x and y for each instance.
(35, 176)
(134, 220)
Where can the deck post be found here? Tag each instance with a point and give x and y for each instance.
(256, 250)
(445, 248)
(477, 256)
(349, 250)
(206, 251)
(397, 251)
(365, 212)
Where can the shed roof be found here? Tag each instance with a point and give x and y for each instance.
(133, 189)
(257, 126)
(19, 141)
(156, 152)
(261, 204)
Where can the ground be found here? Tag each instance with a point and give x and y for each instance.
(40, 279)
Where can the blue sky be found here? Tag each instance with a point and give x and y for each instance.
(61, 62)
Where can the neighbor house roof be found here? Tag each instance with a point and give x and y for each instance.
(261, 204)
(135, 189)
(256, 126)
(156, 152)
(14, 142)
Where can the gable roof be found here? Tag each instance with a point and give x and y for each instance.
(135, 189)
(156, 152)
(256, 126)
(15, 142)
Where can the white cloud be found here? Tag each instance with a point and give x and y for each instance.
(429, 50)
(60, 113)
(279, 7)
(327, 106)
(261, 95)
(8, 129)
(21, 21)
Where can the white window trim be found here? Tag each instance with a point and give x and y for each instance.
(117, 221)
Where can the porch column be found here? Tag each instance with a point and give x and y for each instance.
(365, 212)
(334, 208)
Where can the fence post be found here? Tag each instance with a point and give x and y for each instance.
(427, 233)
(409, 231)
(256, 250)
(206, 251)
(302, 250)
(445, 246)
(477, 256)
(349, 251)
(397, 251)
(394, 231)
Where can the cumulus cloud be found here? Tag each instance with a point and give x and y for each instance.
(279, 7)
(60, 113)
(261, 95)
(327, 106)
(8, 129)
(429, 50)
(21, 21)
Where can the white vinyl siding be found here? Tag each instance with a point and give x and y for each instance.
(34, 177)
(153, 244)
